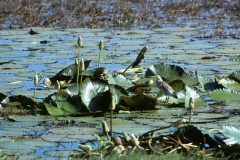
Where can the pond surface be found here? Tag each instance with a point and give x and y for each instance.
(23, 54)
(208, 46)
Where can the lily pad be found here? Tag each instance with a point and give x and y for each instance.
(30, 118)
(128, 127)
(68, 138)
(206, 84)
(27, 145)
(61, 153)
(73, 130)
(225, 95)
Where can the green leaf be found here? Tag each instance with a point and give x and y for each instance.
(123, 81)
(61, 105)
(235, 76)
(170, 73)
(69, 73)
(206, 84)
(72, 89)
(95, 95)
(231, 132)
(141, 102)
(225, 95)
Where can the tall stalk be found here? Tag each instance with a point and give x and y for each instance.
(79, 44)
(191, 106)
(82, 69)
(111, 107)
(101, 46)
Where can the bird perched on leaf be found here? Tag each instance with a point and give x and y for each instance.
(166, 88)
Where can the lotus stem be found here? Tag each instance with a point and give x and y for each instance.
(152, 149)
(191, 106)
(79, 44)
(175, 149)
(111, 107)
(182, 145)
(82, 69)
(101, 46)
(134, 140)
(127, 138)
(86, 148)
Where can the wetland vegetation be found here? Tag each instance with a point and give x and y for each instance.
(193, 45)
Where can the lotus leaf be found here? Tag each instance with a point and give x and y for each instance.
(69, 73)
(123, 81)
(73, 130)
(27, 145)
(61, 153)
(141, 102)
(89, 120)
(170, 73)
(68, 138)
(231, 132)
(206, 84)
(58, 105)
(225, 95)
(128, 127)
(95, 96)
(30, 118)
(235, 76)
(152, 122)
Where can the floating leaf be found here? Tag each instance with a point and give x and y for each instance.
(225, 95)
(73, 130)
(27, 145)
(235, 76)
(61, 153)
(231, 132)
(68, 138)
(34, 118)
(128, 127)
(206, 84)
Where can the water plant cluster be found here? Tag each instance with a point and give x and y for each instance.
(80, 90)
